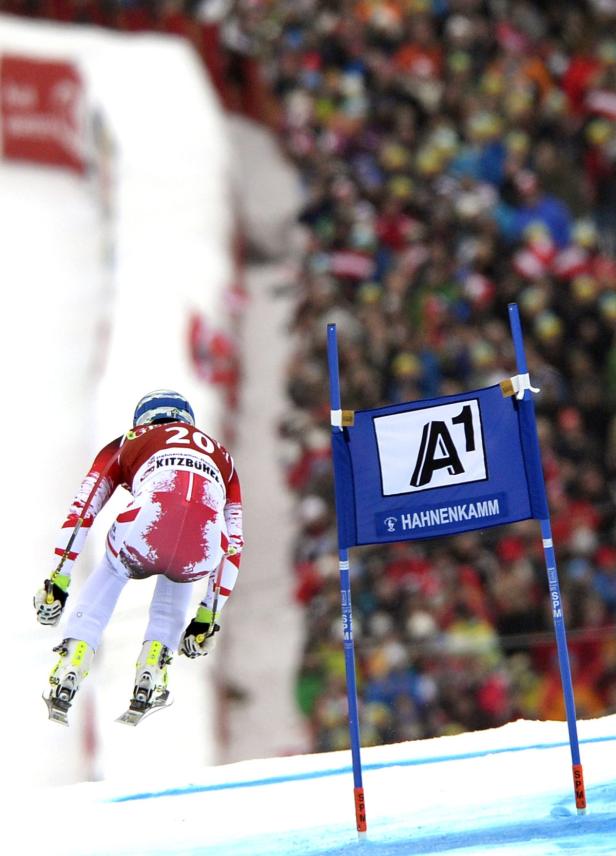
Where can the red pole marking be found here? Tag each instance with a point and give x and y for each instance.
(578, 784)
(360, 810)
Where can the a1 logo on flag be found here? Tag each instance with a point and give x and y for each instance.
(437, 446)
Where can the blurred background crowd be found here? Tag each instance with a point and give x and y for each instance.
(455, 155)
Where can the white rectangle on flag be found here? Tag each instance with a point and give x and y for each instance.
(430, 447)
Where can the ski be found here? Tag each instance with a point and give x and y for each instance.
(138, 711)
(57, 709)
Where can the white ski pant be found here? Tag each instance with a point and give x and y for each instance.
(100, 593)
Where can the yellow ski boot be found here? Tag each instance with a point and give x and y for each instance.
(73, 666)
(150, 692)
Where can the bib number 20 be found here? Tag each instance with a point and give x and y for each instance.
(182, 436)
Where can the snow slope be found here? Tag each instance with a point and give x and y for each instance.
(505, 792)
(82, 339)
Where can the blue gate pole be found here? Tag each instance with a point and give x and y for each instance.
(345, 599)
(538, 484)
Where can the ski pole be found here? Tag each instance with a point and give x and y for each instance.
(80, 520)
(49, 583)
(203, 636)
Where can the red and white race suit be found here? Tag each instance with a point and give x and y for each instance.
(183, 521)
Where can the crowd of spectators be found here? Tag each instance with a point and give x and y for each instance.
(455, 155)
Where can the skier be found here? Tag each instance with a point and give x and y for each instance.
(184, 523)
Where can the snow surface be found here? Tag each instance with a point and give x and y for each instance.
(81, 341)
(507, 791)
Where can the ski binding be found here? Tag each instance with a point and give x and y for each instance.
(140, 709)
(57, 709)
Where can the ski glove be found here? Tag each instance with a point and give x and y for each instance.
(234, 547)
(199, 637)
(49, 601)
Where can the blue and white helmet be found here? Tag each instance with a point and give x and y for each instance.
(163, 405)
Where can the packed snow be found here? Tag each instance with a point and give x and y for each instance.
(507, 791)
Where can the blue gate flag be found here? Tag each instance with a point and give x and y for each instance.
(435, 467)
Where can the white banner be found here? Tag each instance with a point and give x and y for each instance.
(430, 447)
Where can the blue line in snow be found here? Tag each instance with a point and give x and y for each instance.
(339, 771)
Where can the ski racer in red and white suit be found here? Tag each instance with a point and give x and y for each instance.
(183, 523)
(185, 518)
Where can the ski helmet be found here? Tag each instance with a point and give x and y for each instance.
(163, 405)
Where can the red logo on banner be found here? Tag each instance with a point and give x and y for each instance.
(42, 108)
